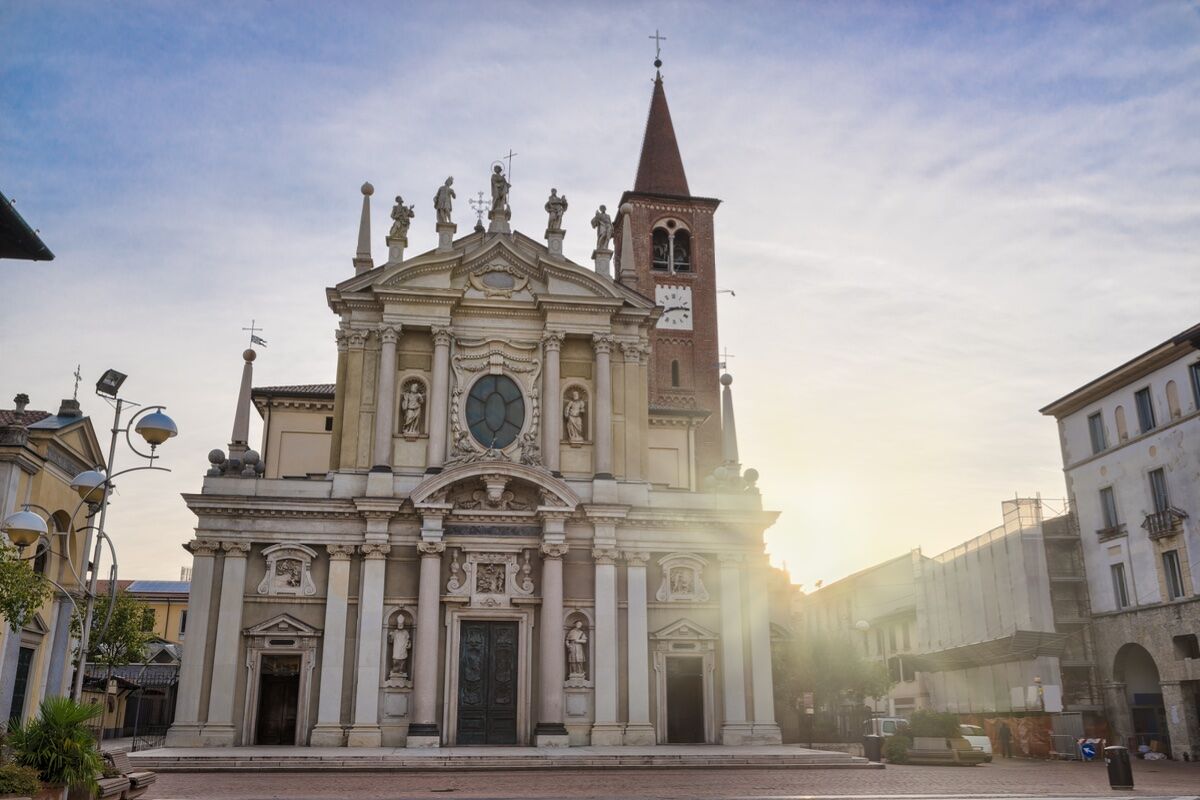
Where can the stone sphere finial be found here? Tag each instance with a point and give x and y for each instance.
(626, 208)
(726, 379)
(751, 476)
(249, 354)
(368, 189)
(216, 456)
(250, 457)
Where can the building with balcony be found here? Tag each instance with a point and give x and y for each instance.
(1131, 453)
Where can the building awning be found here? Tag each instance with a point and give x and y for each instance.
(1020, 646)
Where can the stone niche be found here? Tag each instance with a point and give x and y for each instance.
(682, 579)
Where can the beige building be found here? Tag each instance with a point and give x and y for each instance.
(40, 453)
(517, 515)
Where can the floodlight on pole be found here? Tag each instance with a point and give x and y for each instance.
(110, 383)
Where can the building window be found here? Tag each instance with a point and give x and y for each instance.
(660, 250)
(1173, 409)
(495, 411)
(1173, 574)
(1194, 371)
(1158, 490)
(1186, 646)
(182, 622)
(879, 641)
(675, 374)
(1145, 410)
(1122, 429)
(1096, 429)
(892, 638)
(1108, 506)
(1120, 594)
(681, 252)
(329, 423)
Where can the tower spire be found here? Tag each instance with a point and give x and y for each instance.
(660, 168)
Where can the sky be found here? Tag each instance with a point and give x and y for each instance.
(936, 217)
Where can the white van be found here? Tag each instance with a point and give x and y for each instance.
(883, 726)
(978, 740)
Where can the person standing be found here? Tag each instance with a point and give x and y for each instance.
(1005, 736)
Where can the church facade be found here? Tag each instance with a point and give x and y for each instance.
(518, 515)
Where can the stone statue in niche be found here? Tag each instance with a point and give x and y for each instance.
(603, 224)
(681, 581)
(573, 415)
(556, 206)
(401, 646)
(577, 640)
(401, 218)
(489, 578)
(287, 573)
(412, 403)
(443, 201)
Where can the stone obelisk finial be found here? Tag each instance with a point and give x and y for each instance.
(627, 273)
(362, 259)
(240, 440)
(729, 446)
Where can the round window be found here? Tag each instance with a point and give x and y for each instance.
(495, 411)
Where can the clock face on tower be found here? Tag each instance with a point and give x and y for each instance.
(677, 307)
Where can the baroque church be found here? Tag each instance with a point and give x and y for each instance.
(517, 516)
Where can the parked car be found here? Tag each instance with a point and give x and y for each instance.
(978, 740)
(883, 726)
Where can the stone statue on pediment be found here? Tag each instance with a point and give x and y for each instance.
(500, 187)
(603, 224)
(401, 218)
(443, 201)
(556, 206)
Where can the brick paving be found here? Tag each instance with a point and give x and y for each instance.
(1001, 779)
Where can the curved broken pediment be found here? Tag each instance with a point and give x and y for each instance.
(496, 486)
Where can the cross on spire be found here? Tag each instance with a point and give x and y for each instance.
(658, 40)
(509, 158)
(725, 356)
(78, 378)
(254, 339)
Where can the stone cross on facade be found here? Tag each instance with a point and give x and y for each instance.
(723, 364)
(479, 205)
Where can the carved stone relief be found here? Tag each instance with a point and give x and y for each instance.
(490, 580)
(521, 361)
(682, 579)
(289, 570)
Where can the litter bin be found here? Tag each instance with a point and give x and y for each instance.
(873, 747)
(1120, 772)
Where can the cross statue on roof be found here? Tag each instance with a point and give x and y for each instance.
(723, 363)
(255, 340)
(658, 40)
(78, 378)
(479, 206)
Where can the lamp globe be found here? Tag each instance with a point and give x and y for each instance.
(156, 428)
(89, 485)
(24, 528)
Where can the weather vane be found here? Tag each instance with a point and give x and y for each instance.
(78, 378)
(658, 40)
(254, 339)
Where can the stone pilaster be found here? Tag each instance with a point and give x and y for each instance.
(552, 419)
(550, 730)
(439, 398)
(185, 731)
(219, 730)
(603, 344)
(607, 729)
(329, 731)
(423, 731)
(735, 729)
(385, 399)
(766, 730)
(365, 730)
(638, 730)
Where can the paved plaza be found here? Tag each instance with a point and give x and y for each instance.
(1003, 779)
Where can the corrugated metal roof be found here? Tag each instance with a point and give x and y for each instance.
(159, 587)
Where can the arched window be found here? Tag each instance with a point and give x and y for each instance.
(660, 250)
(681, 252)
(675, 374)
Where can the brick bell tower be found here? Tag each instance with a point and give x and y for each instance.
(665, 251)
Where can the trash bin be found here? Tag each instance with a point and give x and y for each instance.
(873, 747)
(1120, 772)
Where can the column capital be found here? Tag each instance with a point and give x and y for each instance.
(340, 552)
(442, 335)
(553, 549)
(602, 342)
(389, 333)
(342, 340)
(605, 555)
(356, 339)
(236, 549)
(375, 551)
(552, 340)
(431, 549)
(636, 558)
(632, 350)
(203, 548)
(731, 559)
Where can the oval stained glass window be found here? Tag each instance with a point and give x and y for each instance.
(495, 411)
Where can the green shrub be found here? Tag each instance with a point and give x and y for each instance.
(895, 750)
(58, 744)
(933, 723)
(18, 780)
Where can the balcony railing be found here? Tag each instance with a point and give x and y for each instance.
(1111, 532)
(1167, 522)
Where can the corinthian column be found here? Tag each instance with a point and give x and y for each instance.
(227, 648)
(328, 731)
(439, 398)
(423, 731)
(185, 731)
(550, 731)
(735, 729)
(602, 343)
(385, 398)
(638, 730)
(552, 401)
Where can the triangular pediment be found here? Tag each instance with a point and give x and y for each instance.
(282, 625)
(684, 630)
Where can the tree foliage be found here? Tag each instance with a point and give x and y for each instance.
(124, 638)
(22, 591)
(58, 743)
(941, 724)
(832, 668)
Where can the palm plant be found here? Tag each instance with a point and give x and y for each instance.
(59, 744)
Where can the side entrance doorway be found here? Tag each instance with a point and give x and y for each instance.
(278, 699)
(685, 700)
(487, 683)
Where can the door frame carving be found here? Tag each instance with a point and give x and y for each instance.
(304, 642)
(685, 638)
(454, 619)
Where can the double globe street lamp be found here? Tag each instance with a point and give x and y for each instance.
(26, 527)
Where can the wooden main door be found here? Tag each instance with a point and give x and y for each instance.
(487, 683)
(685, 700)
(278, 700)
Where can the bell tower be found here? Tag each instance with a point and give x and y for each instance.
(665, 251)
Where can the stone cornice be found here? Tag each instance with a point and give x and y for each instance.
(253, 506)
